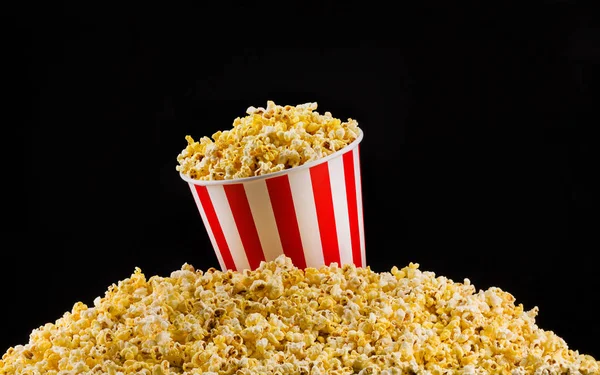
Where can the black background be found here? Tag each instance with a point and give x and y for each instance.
(476, 158)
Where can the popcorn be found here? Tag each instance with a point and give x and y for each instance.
(280, 319)
(266, 141)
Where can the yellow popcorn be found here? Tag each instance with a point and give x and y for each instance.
(266, 141)
(280, 319)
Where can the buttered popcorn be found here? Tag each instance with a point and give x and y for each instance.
(266, 141)
(283, 320)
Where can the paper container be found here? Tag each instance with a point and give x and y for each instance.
(312, 213)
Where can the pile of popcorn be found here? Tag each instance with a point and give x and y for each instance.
(280, 319)
(266, 141)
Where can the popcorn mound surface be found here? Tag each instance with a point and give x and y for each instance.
(283, 320)
(266, 141)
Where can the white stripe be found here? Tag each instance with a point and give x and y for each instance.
(340, 209)
(264, 218)
(232, 236)
(207, 226)
(306, 213)
(361, 221)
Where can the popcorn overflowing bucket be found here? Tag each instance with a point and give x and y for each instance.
(312, 213)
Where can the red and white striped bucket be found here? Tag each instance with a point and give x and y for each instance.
(312, 213)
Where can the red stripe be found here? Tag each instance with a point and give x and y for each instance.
(350, 178)
(362, 218)
(319, 176)
(282, 202)
(215, 226)
(242, 215)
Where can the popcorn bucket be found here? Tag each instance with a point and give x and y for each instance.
(312, 213)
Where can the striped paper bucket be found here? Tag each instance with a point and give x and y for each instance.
(312, 213)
